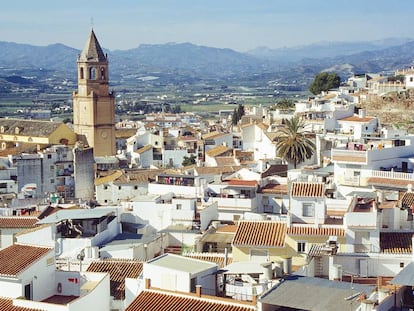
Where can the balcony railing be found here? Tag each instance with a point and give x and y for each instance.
(392, 175)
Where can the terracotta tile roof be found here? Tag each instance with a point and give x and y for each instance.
(305, 189)
(6, 304)
(356, 119)
(216, 151)
(17, 222)
(213, 135)
(349, 159)
(151, 300)
(17, 258)
(227, 228)
(388, 204)
(241, 182)
(395, 183)
(276, 169)
(274, 188)
(33, 128)
(313, 231)
(188, 138)
(228, 160)
(118, 270)
(212, 257)
(260, 233)
(407, 200)
(110, 178)
(396, 242)
(216, 170)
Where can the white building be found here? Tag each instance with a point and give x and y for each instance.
(30, 272)
(178, 273)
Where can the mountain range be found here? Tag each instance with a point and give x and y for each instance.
(203, 61)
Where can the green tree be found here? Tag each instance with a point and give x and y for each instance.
(285, 103)
(324, 81)
(189, 160)
(293, 145)
(237, 114)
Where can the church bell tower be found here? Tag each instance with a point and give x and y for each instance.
(93, 103)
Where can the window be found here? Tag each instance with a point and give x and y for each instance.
(49, 156)
(92, 73)
(102, 73)
(401, 265)
(308, 210)
(136, 187)
(52, 167)
(411, 79)
(81, 73)
(119, 187)
(301, 247)
(52, 181)
(105, 187)
(179, 206)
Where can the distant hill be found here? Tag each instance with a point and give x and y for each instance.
(187, 56)
(201, 62)
(55, 56)
(325, 49)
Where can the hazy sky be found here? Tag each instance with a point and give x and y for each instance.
(238, 24)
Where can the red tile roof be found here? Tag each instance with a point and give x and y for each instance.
(390, 182)
(357, 119)
(241, 182)
(151, 300)
(17, 258)
(217, 258)
(17, 222)
(312, 231)
(118, 270)
(396, 242)
(260, 233)
(6, 304)
(305, 189)
(274, 188)
(407, 200)
(227, 228)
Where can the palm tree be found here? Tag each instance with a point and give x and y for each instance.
(293, 145)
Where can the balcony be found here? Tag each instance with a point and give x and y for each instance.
(361, 219)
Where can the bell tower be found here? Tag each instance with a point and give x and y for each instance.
(93, 103)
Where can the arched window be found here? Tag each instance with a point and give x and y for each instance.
(102, 73)
(81, 73)
(92, 73)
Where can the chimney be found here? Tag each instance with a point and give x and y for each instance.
(198, 290)
(147, 283)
